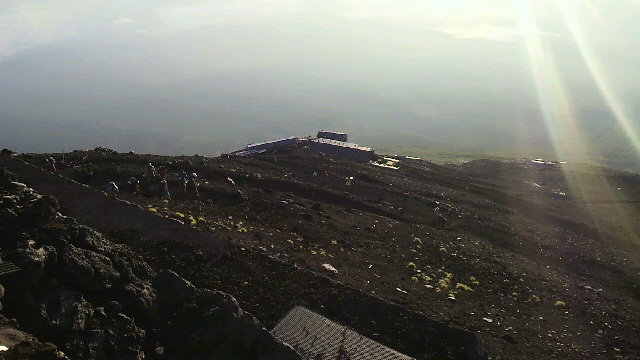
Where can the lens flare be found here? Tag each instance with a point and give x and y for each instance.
(604, 206)
(551, 94)
(606, 90)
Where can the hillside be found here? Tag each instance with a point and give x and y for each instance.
(529, 264)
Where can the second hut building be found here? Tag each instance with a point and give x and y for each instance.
(344, 149)
(333, 135)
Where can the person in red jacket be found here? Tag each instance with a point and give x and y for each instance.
(162, 171)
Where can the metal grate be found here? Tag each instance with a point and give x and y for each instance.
(318, 338)
(7, 267)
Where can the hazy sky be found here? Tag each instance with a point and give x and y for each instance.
(27, 24)
(490, 73)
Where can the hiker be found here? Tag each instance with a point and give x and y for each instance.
(182, 181)
(151, 172)
(131, 181)
(51, 162)
(193, 178)
(441, 219)
(134, 185)
(343, 355)
(162, 171)
(164, 189)
(450, 212)
(349, 180)
(112, 187)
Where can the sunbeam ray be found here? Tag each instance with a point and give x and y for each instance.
(616, 212)
(605, 89)
(561, 125)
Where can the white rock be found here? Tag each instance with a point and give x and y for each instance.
(328, 267)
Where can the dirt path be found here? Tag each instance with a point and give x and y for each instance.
(97, 209)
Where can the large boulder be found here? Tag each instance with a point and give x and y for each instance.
(122, 258)
(216, 327)
(218, 308)
(60, 310)
(33, 261)
(139, 297)
(252, 338)
(89, 239)
(131, 267)
(68, 310)
(40, 211)
(201, 324)
(124, 337)
(171, 288)
(93, 344)
(87, 270)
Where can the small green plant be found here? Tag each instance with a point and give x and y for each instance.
(417, 241)
(463, 287)
(445, 282)
(411, 265)
(240, 228)
(560, 303)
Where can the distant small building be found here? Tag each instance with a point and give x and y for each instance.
(406, 157)
(344, 149)
(271, 144)
(333, 135)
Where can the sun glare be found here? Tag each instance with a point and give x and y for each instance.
(561, 124)
(597, 74)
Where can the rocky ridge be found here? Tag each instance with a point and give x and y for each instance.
(80, 296)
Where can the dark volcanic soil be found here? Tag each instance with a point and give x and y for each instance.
(541, 262)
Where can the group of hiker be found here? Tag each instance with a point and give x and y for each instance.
(443, 216)
(184, 180)
(158, 182)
